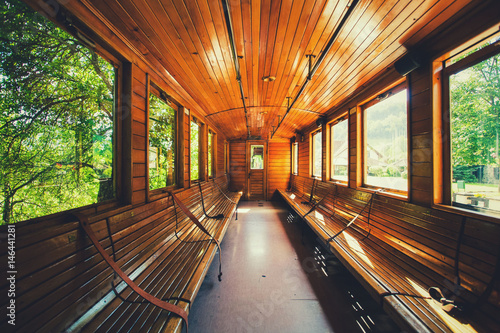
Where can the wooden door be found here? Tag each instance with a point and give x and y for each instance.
(256, 169)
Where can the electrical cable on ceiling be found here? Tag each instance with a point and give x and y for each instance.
(225, 6)
(313, 69)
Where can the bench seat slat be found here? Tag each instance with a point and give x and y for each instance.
(395, 246)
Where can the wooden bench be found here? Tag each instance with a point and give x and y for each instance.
(395, 248)
(63, 284)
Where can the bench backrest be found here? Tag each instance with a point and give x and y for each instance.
(438, 243)
(60, 275)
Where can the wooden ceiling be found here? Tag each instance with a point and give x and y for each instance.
(190, 39)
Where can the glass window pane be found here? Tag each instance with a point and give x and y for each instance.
(386, 151)
(56, 119)
(161, 143)
(340, 151)
(475, 129)
(257, 158)
(194, 151)
(210, 153)
(295, 158)
(317, 154)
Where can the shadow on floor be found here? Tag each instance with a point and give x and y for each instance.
(347, 305)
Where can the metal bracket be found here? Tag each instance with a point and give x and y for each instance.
(310, 57)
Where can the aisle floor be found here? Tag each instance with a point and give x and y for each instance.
(278, 278)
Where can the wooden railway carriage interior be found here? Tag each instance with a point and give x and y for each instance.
(132, 130)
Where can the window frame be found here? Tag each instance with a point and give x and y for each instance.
(336, 121)
(213, 154)
(121, 116)
(392, 89)
(443, 69)
(319, 131)
(202, 172)
(158, 91)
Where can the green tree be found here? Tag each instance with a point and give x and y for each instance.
(56, 118)
(475, 114)
(195, 151)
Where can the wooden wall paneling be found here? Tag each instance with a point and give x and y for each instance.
(237, 168)
(220, 155)
(420, 137)
(181, 147)
(125, 165)
(304, 155)
(279, 166)
(139, 132)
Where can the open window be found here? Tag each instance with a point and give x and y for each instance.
(162, 139)
(57, 120)
(339, 150)
(385, 141)
(470, 127)
(317, 154)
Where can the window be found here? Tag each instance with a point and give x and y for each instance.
(385, 141)
(257, 158)
(317, 154)
(339, 150)
(195, 150)
(162, 143)
(211, 153)
(472, 105)
(295, 158)
(57, 147)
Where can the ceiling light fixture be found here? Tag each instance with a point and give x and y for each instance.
(268, 78)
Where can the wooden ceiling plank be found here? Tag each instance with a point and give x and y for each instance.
(160, 19)
(270, 41)
(197, 27)
(373, 47)
(246, 16)
(256, 14)
(162, 41)
(289, 12)
(315, 45)
(246, 61)
(381, 47)
(224, 55)
(210, 24)
(265, 18)
(181, 25)
(318, 21)
(360, 15)
(432, 20)
(292, 66)
(118, 17)
(348, 40)
(310, 11)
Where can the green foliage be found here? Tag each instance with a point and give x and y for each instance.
(376, 171)
(162, 143)
(393, 171)
(56, 118)
(194, 149)
(465, 173)
(475, 114)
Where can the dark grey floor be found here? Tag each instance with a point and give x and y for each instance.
(277, 278)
